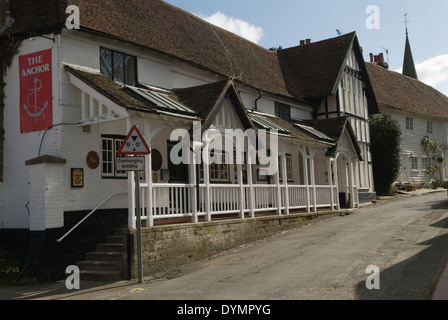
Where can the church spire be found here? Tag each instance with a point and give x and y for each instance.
(408, 63)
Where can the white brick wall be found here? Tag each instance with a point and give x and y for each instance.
(21, 147)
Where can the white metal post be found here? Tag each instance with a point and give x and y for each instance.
(131, 189)
(139, 227)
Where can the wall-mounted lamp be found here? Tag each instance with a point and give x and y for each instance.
(32, 37)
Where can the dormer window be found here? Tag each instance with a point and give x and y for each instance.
(283, 111)
(120, 67)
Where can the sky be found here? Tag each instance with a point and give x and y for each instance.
(379, 25)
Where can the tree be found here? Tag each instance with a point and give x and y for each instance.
(432, 149)
(385, 135)
(276, 48)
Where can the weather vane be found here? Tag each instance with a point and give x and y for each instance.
(406, 22)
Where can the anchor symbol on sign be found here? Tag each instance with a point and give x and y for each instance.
(33, 110)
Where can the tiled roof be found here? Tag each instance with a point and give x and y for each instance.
(301, 72)
(36, 16)
(333, 128)
(202, 98)
(396, 91)
(312, 70)
(207, 100)
(111, 90)
(291, 130)
(314, 132)
(160, 26)
(204, 101)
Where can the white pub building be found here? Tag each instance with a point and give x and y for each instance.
(72, 94)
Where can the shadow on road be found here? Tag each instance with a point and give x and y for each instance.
(415, 277)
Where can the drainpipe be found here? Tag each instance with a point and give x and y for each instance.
(256, 100)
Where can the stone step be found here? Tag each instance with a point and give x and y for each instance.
(106, 263)
(104, 255)
(100, 275)
(114, 239)
(109, 247)
(99, 265)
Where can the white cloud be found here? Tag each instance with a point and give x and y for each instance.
(434, 72)
(237, 26)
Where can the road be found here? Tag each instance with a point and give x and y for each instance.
(407, 239)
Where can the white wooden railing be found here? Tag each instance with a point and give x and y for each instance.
(265, 197)
(185, 200)
(298, 197)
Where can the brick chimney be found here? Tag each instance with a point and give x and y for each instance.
(378, 60)
(306, 41)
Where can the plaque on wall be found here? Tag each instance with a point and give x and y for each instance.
(93, 160)
(156, 159)
(77, 178)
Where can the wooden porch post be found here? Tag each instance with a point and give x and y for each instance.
(350, 181)
(239, 168)
(336, 181)
(330, 180)
(193, 182)
(279, 192)
(313, 181)
(148, 137)
(208, 216)
(251, 185)
(285, 181)
(355, 195)
(305, 176)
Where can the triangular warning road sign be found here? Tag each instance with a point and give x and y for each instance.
(134, 143)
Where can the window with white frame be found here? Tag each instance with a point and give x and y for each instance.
(289, 174)
(219, 172)
(429, 128)
(414, 163)
(110, 144)
(409, 123)
(425, 163)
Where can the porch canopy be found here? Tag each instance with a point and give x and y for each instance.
(303, 166)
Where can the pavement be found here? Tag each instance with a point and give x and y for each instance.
(58, 291)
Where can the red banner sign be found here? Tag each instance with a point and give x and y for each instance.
(36, 94)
